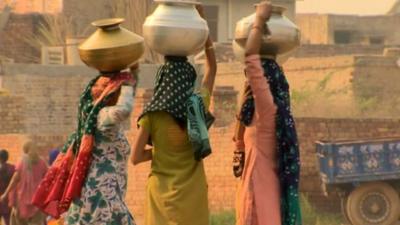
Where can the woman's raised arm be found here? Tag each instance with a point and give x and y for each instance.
(211, 61)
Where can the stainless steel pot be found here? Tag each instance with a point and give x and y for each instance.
(284, 37)
(175, 28)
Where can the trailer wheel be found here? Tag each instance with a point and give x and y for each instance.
(373, 204)
(343, 205)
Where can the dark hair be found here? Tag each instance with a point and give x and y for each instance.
(3, 155)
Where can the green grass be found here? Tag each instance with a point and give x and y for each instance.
(223, 218)
(310, 216)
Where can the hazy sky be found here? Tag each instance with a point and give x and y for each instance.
(344, 6)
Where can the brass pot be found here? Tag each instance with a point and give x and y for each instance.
(284, 37)
(111, 48)
(175, 28)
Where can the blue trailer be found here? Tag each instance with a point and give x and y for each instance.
(366, 174)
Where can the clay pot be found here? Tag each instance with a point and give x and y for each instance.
(175, 28)
(284, 37)
(111, 48)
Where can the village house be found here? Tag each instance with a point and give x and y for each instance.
(330, 29)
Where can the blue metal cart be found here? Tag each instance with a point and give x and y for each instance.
(366, 174)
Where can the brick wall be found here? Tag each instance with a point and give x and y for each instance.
(52, 93)
(222, 185)
(340, 86)
(52, 99)
(13, 144)
(12, 114)
(312, 129)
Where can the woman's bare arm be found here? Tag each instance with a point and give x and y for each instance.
(211, 60)
(263, 98)
(263, 13)
(140, 153)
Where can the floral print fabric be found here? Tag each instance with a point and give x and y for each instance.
(103, 194)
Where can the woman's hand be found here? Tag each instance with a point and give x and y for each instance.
(238, 157)
(238, 162)
(133, 70)
(264, 10)
(200, 10)
(239, 153)
(263, 13)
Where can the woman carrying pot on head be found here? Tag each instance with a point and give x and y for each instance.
(174, 123)
(269, 168)
(88, 180)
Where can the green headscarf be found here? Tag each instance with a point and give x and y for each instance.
(174, 94)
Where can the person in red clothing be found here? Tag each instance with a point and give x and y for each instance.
(28, 173)
(6, 173)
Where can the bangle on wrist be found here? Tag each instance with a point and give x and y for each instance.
(259, 28)
(210, 47)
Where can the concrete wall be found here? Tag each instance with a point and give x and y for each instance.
(320, 50)
(376, 85)
(224, 51)
(366, 27)
(314, 29)
(320, 28)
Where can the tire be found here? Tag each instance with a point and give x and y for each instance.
(373, 204)
(343, 204)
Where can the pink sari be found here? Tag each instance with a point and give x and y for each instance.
(31, 173)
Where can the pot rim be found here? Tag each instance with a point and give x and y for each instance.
(192, 2)
(106, 23)
(276, 8)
